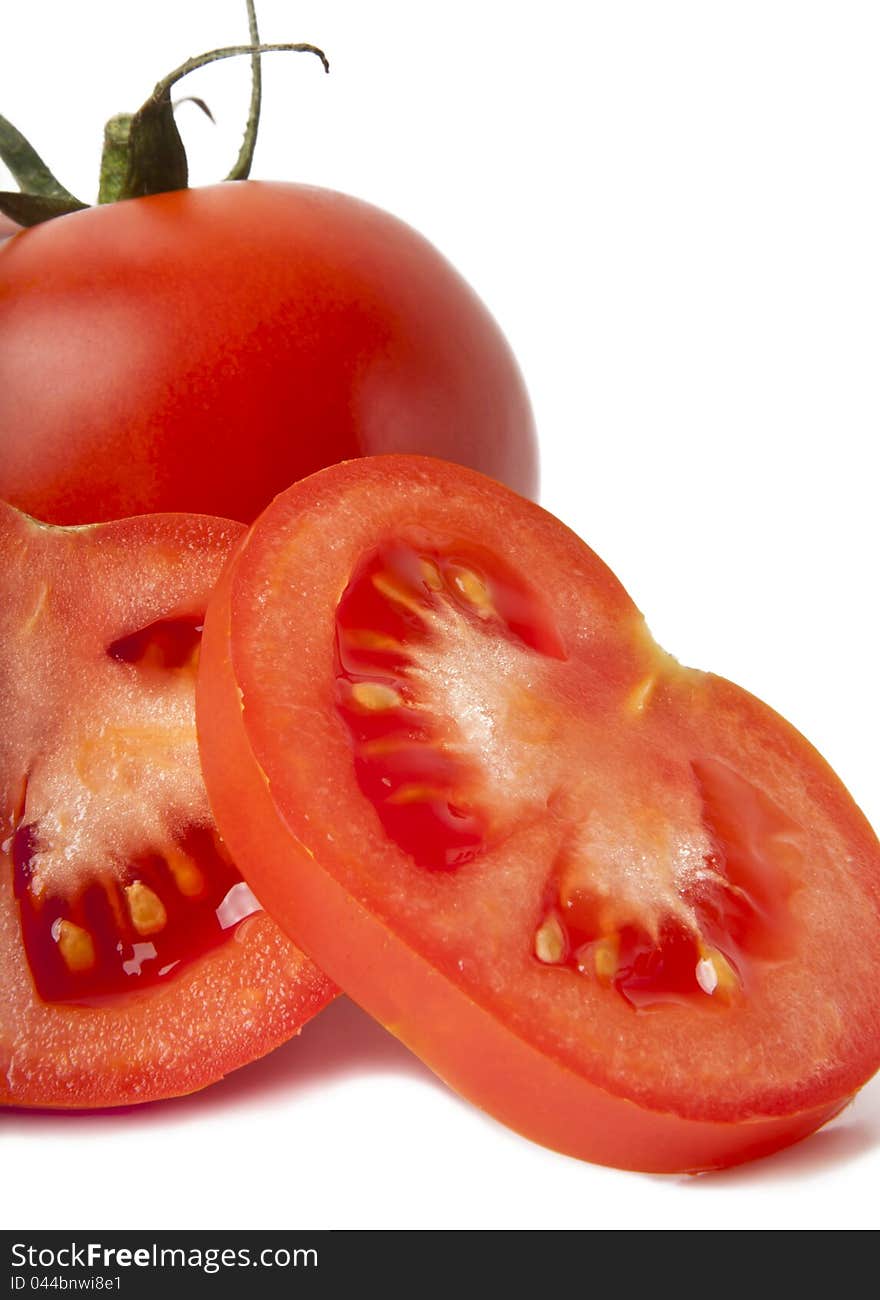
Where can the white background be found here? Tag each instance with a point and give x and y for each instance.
(673, 210)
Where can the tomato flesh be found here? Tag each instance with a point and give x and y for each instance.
(629, 948)
(119, 903)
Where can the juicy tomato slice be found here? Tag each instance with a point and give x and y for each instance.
(134, 961)
(603, 895)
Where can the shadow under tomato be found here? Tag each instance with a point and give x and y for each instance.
(853, 1133)
(341, 1041)
(344, 1041)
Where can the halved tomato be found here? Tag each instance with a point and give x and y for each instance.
(134, 962)
(619, 903)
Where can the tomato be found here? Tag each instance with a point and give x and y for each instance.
(200, 350)
(7, 227)
(619, 903)
(134, 962)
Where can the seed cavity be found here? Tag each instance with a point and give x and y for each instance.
(171, 644)
(128, 924)
(666, 901)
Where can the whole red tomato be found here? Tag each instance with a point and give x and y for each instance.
(202, 349)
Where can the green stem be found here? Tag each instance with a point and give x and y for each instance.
(157, 159)
(114, 157)
(241, 169)
(163, 87)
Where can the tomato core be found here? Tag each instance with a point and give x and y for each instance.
(403, 602)
(132, 920)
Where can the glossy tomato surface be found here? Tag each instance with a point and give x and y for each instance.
(619, 903)
(134, 962)
(201, 350)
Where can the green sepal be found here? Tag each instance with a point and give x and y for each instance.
(28, 169)
(32, 209)
(156, 156)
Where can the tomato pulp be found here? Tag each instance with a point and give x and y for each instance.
(201, 350)
(619, 903)
(134, 961)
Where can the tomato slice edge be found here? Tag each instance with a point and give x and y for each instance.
(483, 1059)
(297, 914)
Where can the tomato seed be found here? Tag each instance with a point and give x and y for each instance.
(550, 942)
(75, 945)
(145, 907)
(474, 590)
(375, 695)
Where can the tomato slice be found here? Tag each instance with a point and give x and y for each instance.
(619, 903)
(134, 961)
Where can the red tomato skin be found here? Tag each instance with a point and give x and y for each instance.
(535, 1092)
(464, 1044)
(203, 349)
(7, 227)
